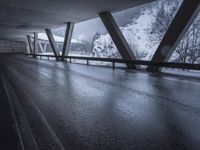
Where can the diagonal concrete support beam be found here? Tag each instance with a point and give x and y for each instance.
(29, 43)
(52, 42)
(118, 38)
(179, 26)
(68, 37)
(27, 46)
(41, 48)
(35, 43)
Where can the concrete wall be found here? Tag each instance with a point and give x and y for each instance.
(11, 46)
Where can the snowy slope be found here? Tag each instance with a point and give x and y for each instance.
(104, 47)
(136, 34)
(137, 37)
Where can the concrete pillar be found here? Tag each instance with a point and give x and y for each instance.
(52, 42)
(41, 48)
(118, 38)
(45, 47)
(68, 37)
(179, 26)
(27, 46)
(29, 43)
(35, 43)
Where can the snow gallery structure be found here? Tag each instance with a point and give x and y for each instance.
(45, 47)
(58, 106)
(36, 17)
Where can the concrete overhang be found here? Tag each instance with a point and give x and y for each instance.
(21, 17)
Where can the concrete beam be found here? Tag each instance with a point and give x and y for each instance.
(179, 26)
(35, 43)
(118, 38)
(52, 42)
(27, 47)
(29, 43)
(41, 48)
(68, 37)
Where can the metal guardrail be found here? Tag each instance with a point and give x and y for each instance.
(114, 61)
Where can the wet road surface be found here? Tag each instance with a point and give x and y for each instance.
(9, 138)
(79, 107)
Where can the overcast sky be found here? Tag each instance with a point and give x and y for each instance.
(88, 28)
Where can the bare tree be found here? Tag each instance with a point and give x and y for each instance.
(188, 50)
(189, 47)
(182, 51)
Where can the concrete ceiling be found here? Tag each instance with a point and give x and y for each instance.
(21, 17)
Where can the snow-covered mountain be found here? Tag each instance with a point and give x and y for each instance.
(136, 33)
(138, 25)
(103, 46)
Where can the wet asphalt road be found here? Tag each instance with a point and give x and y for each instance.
(9, 138)
(97, 108)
